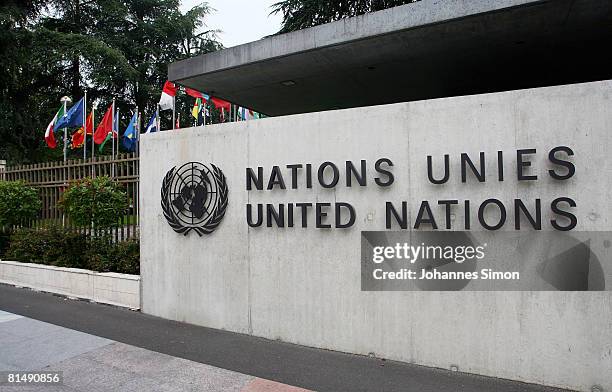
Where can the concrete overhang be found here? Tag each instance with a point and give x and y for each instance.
(429, 49)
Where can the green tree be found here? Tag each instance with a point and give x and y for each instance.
(19, 203)
(112, 48)
(301, 14)
(23, 84)
(99, 201)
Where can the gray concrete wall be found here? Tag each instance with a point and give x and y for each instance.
(302, 285)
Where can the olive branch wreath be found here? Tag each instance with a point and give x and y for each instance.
(215, 217)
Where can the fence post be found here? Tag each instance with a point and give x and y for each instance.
(2, 169)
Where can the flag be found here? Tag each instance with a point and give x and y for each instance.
(152, 125)
(114, 133)
(196, 94)
(49, 137)
(193, 93)
(73, 118)
(105, 126)
(89, 123)
(78, 138)
(197, 108)
(220, 104)
(166, 101)
(130, 134)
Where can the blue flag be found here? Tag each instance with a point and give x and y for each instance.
(152, 125)
(116, 123)
(73, 118)
(129, 136)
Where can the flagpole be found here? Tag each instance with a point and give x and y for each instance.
(174, 112)
(112, 146)
(204, 113)
(85, 126)
(157, 119)
(93, 145)
(65, 101)
(138, 132)
(117, 154)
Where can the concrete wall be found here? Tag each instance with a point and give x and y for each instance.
(105, 287)
(302, 285)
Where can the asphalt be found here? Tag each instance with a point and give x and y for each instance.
(300, 366)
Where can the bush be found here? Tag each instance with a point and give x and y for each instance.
(52, 246)
(122, 257)
(18, 203)
(63, 248)
(99, 201)
(4, 242)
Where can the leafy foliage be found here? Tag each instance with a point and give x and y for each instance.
(18, 203)
(106, 256)
(99, 201)
(4, 242)
(112, 48)
(64, 248)
(301, 14)
(52, 246)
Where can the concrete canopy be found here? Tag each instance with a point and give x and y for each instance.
(429, 49)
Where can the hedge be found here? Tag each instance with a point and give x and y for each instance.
(63, 248)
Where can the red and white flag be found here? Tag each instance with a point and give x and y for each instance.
(166, 101)
(49, 137)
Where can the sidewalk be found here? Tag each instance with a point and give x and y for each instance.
(103, 348)
(90, 363)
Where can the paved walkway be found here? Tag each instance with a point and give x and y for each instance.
(90, 363)
(103, 348)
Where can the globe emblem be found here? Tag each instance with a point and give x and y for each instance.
(194, 197)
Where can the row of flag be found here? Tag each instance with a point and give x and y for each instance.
(73, 118)
(200, 110)
(108, 128)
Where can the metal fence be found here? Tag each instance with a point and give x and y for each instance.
(51, 178)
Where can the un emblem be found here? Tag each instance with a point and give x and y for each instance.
(194, 197)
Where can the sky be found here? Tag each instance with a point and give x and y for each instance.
(240, 21)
